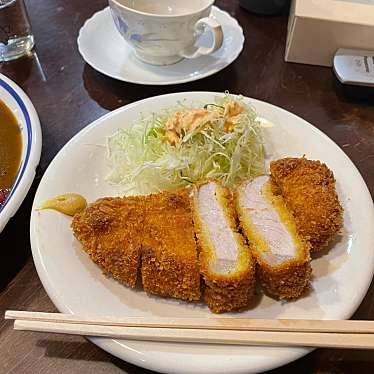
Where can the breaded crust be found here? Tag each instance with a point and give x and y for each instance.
(169, 259)
(308, 188)
(288, 279)
(109, 231)
(224, 292)
(228, 293)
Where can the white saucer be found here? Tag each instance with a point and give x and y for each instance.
(102, 47)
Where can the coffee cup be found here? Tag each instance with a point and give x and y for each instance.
(164, 32)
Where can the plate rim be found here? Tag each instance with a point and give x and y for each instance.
(159, 83)
(112, 346)
(25, 175)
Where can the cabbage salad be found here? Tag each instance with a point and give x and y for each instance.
(183, 145)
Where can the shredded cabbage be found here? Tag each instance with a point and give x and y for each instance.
(143, 161)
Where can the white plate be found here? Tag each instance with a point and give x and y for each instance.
(102, 47)
(20, 105)
(76, 285)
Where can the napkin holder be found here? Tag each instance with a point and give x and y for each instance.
(318, 28)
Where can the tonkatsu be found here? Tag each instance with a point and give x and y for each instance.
(169, 265)
(110, 232)
(282, 256)
(226, 264)
(212, 242)
(308, 188)
(149, 235)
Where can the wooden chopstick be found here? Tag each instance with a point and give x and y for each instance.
(245, 324)
(233, 331)
(227, 337)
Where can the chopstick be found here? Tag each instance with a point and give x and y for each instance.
(247, 324)
(237, 331)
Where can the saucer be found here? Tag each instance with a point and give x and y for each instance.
(102, 47)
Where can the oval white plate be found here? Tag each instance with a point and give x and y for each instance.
(76, 285)
(21, 106)
(102, 47)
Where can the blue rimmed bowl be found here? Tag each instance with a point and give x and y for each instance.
(23, 109)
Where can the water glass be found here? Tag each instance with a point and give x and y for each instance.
(16, 38)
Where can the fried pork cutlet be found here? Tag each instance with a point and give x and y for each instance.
(225, 262)
(110, 231)
(308, 187)
(282, 256)
(152, 232)
(169, 255)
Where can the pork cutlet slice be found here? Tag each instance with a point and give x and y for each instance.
(225, 262)
(282, 255)
(308, 187)
(169, 253)
(110, 232)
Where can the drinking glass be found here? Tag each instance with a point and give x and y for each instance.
(16, 38)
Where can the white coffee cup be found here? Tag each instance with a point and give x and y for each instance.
(163, 32)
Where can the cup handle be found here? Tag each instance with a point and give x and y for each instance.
(217, 35)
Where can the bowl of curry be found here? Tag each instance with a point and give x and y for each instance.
(20, 147)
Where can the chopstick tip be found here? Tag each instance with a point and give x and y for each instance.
(8, 314)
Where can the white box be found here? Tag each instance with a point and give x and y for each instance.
(318, 28)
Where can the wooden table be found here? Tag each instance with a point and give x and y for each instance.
(68, 95)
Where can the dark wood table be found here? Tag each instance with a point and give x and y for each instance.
(68, 95)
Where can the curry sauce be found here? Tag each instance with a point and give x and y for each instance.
(10, 150)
